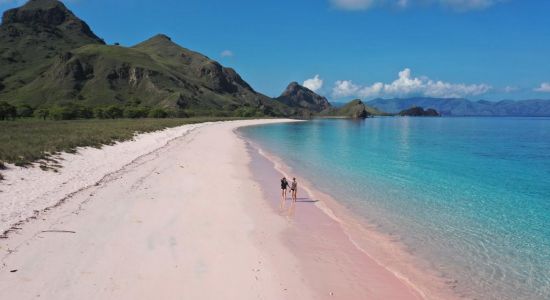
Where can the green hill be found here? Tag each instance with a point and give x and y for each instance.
(353, 109)
(31, 37)
(68, 63)
(419, 112)
(298, 96)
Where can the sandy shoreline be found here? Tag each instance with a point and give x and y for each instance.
(374, 252)
(27, 191)
(182, 215)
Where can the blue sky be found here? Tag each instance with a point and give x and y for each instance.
(478, 49)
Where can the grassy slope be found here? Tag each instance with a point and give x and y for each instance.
(168, 73)
(374, 111)
(350, 110)
(48, 63)
(28, 141)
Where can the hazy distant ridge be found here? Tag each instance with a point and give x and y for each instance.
(465, 107)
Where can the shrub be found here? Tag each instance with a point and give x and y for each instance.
(99, 112)
(25, 111)
(84, 112)
(71, 111)
(2, 165)
(113, 112)
(245, 112)
(61, 113)
(42, 113)
(133, 112)
(7, 111)
(158, 113)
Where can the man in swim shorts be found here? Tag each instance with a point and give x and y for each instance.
(294, 189)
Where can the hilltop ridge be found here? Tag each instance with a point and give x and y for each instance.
(465, 107)
(296, 95)
(68, 63)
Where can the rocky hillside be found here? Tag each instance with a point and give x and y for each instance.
(49, 56)
(356, 109)
(33, 36)
(298, 96)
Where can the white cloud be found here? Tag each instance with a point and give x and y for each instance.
(459, 5)
(468, 4)
(344, 88)
(314, 83)
(227, 53)
(402, 3)
(406, 85)
(543, 88)
(510, 89)
(354, 4)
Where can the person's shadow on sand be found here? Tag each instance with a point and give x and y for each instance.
(306, 200)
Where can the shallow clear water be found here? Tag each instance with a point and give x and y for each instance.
(469, 195)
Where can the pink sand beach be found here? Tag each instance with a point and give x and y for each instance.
(190, 213)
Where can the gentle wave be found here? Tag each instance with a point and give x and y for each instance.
(469, 195)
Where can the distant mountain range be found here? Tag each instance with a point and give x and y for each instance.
(464, 107)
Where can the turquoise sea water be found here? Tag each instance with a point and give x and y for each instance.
(469, 195)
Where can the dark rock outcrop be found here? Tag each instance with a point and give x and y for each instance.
(298, 96)
(49, 17)
(419, 112)
(354, 109)
(34, 35)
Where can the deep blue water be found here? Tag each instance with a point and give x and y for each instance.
(469, 195)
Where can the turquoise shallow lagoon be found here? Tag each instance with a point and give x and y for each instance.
(469, 195)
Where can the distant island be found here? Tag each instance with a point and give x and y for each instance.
(419, 112)
(464, 107)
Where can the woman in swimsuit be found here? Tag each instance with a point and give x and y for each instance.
(284, 187)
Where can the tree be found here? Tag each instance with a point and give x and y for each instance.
(85, 112)
(134, 112)
(99, 112)
(7, 111)
(71, 111)
(25, 111)
(42, 113)
(113, 112)
(245, 112)
(158, 113)
(62, 113)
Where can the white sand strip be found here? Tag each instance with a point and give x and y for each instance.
(28, 190)
(172, 224)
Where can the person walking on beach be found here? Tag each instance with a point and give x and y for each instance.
(294, 189)
(284, 188)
